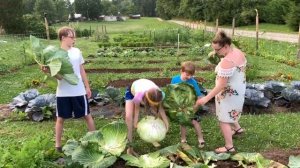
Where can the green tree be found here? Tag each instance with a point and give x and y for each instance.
(91, 9)
(61, 10)
(167, 9)
(145, 7)
(45, 6)
(28, 6)
(276, 11)
(293, 19)
(70, 9)
(11, 16)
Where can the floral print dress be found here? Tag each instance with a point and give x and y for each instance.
(230, 101)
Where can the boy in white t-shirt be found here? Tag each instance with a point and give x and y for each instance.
(72, 100)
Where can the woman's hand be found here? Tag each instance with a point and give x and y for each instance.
(45, 69)
(201, 102)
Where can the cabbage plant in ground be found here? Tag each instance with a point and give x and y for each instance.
(53, 57)
(152, 130)
(98, 148)
(179, 103)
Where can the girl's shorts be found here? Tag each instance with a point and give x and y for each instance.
(128, 94)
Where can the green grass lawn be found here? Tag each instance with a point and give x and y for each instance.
(130, 25)
(263, 132)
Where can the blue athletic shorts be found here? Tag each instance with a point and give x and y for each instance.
(72, 107)
(128, 94)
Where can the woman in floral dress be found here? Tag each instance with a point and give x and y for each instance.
(229, 90)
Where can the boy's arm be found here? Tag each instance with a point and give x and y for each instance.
(85, 81)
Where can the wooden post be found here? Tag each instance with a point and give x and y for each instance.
(178, 43)
(217, 24)
(298, 56)
(47, 27)
(233, 26)
(256, 22)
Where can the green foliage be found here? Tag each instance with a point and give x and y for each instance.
(294, 161)
(293, 18)
(99, 148)
(151, 160)
(91, 9)
(35, 152)
(179, 102)
(11, 16)
(45, 6)
(276, 11)
(54, 58)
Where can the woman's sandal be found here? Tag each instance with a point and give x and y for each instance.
(225, 149)
(183, 141)
(237, 132)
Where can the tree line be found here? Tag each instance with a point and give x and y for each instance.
(23, 16)
(270, 11)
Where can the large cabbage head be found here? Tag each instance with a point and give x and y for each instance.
(114, 138)
(179, 102)
(152, 130)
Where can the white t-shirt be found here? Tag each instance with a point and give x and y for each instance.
(64, 89)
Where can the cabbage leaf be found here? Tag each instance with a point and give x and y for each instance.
(179, 102)
(151, 160)
(53, 57)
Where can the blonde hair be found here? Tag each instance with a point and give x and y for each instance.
(188, 67)
(153, 97)
(65, 31)
(221, 38)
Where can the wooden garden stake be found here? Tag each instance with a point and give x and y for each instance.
(298, 56)
(217, 24)
(256, 21)
(47, 27)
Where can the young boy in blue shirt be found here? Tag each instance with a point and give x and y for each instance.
(186, 75)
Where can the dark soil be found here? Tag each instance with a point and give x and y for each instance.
(140, 70)
(281, 156)
(4, 111)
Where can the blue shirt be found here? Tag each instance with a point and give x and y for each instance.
(191, 81)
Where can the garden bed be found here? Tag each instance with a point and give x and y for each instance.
(140, 70)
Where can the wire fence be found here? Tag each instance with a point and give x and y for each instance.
(19, 37)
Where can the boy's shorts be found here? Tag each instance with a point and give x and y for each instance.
(128, 94)
(72, 107)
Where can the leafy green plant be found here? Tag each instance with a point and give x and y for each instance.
(152, 130)
(151, 160)
(294, 161)
(54, 58)
(179, 102)
(98, 148)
